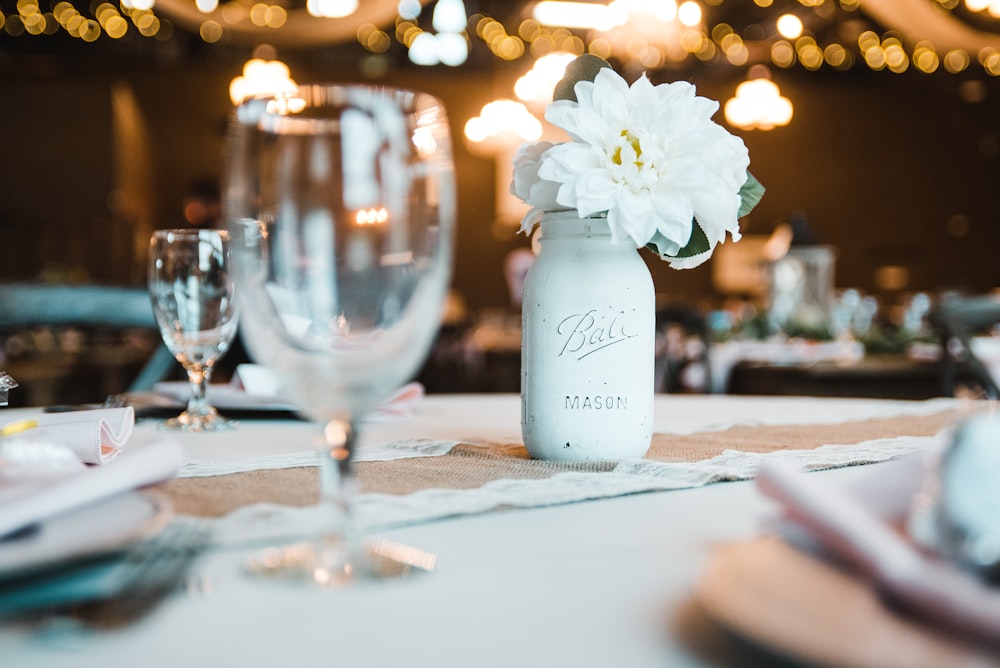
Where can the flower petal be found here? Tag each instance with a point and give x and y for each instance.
(530, 219)
(610, 98)
(637, 217)
(527, 184)
(595, 192)
(582, 124)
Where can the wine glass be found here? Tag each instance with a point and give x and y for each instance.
(340, 202)
(191, 289)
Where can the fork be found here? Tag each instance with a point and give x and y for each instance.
(152, 570)
(116, 401)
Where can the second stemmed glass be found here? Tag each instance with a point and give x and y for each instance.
(341, 205)
(192, 292)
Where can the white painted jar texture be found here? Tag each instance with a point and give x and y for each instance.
(588, 330)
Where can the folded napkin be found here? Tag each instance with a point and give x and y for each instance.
(27, 500)
(93, 436)
(259, 381)
(859, 528)
(399, 404)
(254, 387)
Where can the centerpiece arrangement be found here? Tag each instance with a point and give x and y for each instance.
(644, 167)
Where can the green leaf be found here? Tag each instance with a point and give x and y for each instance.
(696, 245)
(751, 193)
(583, 68)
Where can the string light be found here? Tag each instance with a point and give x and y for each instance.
(689, 13)
(643, 34)
(409, 9)
(789, 26)
(449, 16)
(449, 46)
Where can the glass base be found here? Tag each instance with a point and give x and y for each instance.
(192, 422)
(331, 563)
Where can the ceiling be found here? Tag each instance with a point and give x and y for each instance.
(827, 20)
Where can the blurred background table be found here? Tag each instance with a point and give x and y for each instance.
(874, 376)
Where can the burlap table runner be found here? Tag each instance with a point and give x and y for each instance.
(471, 466)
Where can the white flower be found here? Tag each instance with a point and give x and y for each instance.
(526, 184)
(649, 156)
(529, 187)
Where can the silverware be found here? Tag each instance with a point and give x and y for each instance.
(6, 384)
(151, 571)
(112, 401)
(116, 401)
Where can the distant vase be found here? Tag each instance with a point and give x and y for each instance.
(588, 331)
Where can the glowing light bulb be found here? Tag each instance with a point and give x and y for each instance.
(789, 26)
(449, 16)
(758, 104)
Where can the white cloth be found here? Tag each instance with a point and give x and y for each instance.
(27, 500)
(94, 436)
(724, 356)
(649, 550)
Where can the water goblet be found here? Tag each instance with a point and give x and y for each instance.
(340, 203)
(191, 289)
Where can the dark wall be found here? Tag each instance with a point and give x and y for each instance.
(886, 171)
(55, 173)
(892, 170)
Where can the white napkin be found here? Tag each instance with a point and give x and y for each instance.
(94, 436)
(259, 381)
(399, 404)
(27, 500)
(849, 526)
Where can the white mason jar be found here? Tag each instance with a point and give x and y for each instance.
(588, 329)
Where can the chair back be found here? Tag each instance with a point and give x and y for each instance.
(28, 305)
(682, 361)
(24, 306)
(956, 320)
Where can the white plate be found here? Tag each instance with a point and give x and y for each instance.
(99, 529)
(807, 609)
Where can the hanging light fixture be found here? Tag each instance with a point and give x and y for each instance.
(535, 86)
(262, 77)
(501, 124)
(449, 16)
(448, 45)
(331, 9)
(758, 104)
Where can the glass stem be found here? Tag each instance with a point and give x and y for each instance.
(338, 485)
(198, 403)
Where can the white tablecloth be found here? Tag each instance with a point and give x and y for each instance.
(596, 583)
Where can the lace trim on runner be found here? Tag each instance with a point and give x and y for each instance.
(267, 522)
(402, 449)
(423, 447)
